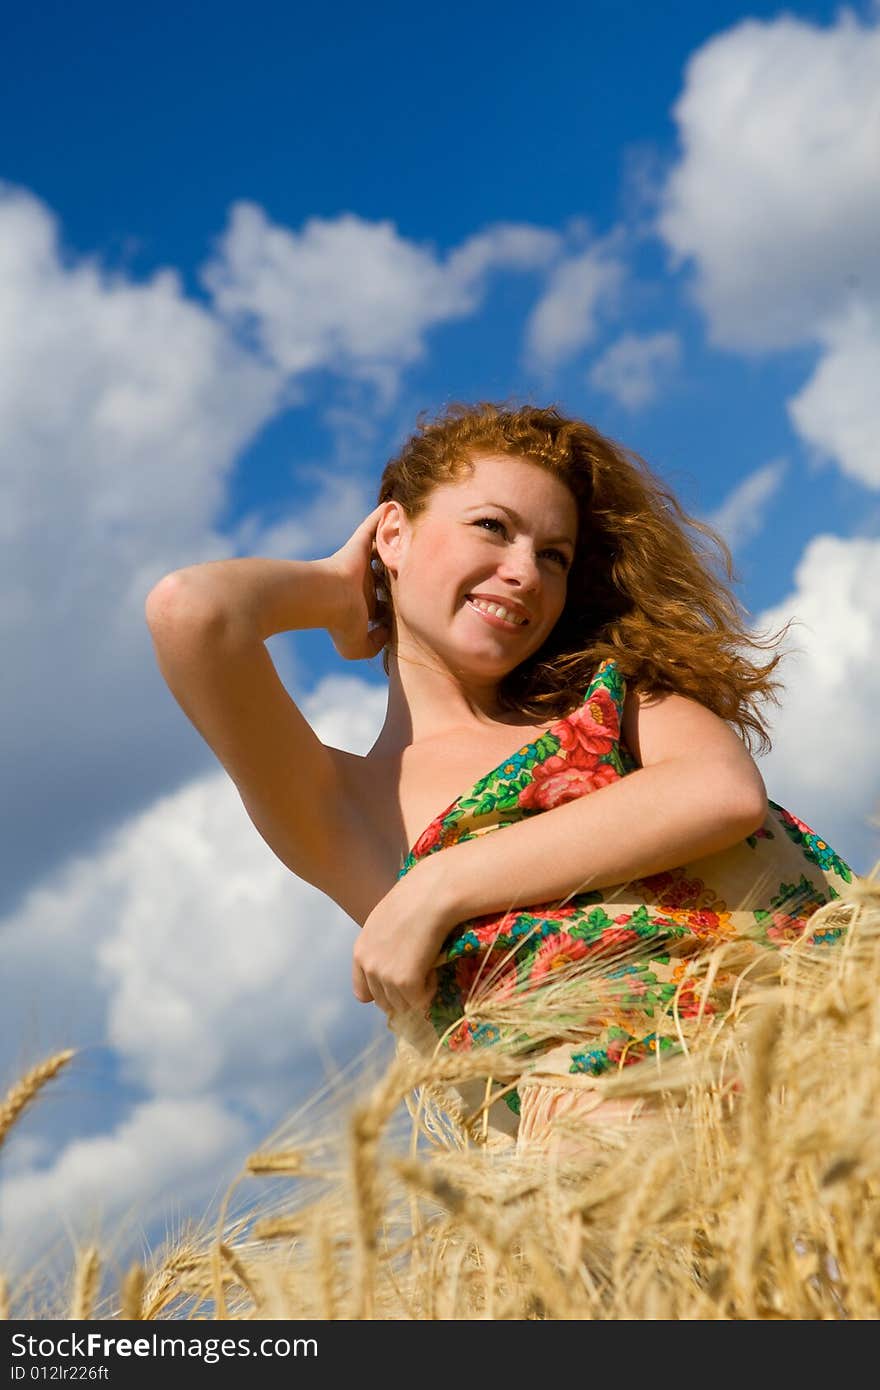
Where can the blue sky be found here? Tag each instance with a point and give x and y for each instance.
(239, 252)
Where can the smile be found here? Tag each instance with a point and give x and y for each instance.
(496, 613)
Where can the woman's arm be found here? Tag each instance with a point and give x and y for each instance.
(697, 792)
(209, 624)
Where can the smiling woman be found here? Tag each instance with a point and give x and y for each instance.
(564, 663)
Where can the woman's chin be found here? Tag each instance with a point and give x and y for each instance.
(483, 665)
(478, 660)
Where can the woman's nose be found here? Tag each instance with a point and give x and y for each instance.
(519, 566)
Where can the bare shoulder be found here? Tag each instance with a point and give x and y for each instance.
(667, 725)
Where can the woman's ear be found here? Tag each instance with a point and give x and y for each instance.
(391, 534)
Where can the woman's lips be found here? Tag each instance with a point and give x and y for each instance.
(494, 619)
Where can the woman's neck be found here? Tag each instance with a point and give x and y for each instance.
(426, 700)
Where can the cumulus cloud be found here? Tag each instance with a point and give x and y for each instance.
(353, 295)
(775, 202)
(123, 409)
(221, 982)
(184, 929)
(776, 198)
(823, 764)
(632, 369)
(97, 1184)
(740, 516)
(838, 410)
(565, 317)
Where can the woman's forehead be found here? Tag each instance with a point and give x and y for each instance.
(500, 477)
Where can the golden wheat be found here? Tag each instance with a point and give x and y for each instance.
(85, 1283)
(133, 1286)
(747, 1186)
(20, 1095)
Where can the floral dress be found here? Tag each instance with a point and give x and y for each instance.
(638, 944)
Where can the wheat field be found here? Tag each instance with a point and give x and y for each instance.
(748, 1186)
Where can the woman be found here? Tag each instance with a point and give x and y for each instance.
(563, 663)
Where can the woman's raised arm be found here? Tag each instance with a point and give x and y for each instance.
(209, 623)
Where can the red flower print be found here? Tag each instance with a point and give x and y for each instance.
(672, 890)
(801, 825)
(786, 928)
(488, 932)
(594, 725)
(461, 1038)
(557, 914)
(613, 938)
(557, 952)
(428, 839)
(687, 998)
(703, 923)
(477, 976)
(625, 1048)
(657, 884)
(688, 1002)
(553, 785)
(450, 835)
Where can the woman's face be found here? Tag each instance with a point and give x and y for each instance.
(479, 575)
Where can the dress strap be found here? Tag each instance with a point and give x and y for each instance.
(608, 677)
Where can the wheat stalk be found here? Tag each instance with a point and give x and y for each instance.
(19, 1096)
(85, 1284)
(133, 1287)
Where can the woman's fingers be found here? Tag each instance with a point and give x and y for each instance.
(366, 532)
(359, 984)
(397, 997)
(377, 636)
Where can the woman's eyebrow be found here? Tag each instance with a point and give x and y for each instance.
(518, 521)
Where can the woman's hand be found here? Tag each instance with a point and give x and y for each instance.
(393, 962)
(356, 634)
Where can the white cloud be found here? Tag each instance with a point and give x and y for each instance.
(565, 318)
(185, 928)
(825, 765)
(632, 368)
(776, 197)
(354, 295)
(740, 516)
(503, 246)
(180, 1147)
(347, 712)
(123, 407)
(222, 964)
(838, 411)
(221, 982)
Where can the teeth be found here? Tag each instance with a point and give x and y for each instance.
(487, 607)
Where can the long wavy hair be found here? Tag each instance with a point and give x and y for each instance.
(645, 588)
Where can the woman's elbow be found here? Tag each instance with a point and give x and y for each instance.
(175, 600)
(157, 604)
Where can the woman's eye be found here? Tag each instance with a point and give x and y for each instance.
(558, 558)
(491, 523)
